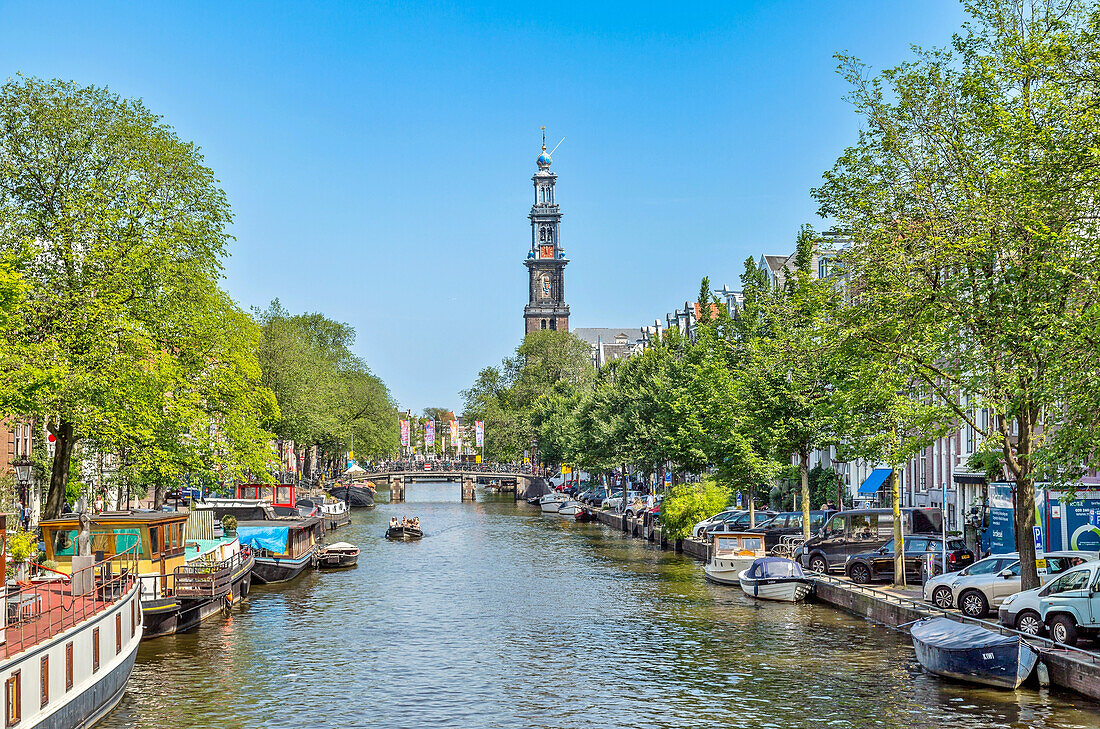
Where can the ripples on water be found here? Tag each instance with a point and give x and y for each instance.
(503, 617)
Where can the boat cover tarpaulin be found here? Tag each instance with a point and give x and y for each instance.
(766, 568)
(272, 538)
(951, 635)
(874, 482)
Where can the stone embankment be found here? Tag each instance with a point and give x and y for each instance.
(1072, 669)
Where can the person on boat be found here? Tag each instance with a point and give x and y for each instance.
(415, 524)
(393, 522)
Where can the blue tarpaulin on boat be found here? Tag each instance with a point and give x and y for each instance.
(874, 482)
(272, 538)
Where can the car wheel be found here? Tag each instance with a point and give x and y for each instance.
(973, 604)
(943, 598)
(1063, 629)
(1028, 622)
(819, 564)
(859, 574)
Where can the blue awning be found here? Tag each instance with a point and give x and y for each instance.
(270, 538)
(874, 482)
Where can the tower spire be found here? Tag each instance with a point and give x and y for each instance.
(543, 138)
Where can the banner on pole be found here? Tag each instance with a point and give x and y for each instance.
(405, 433)
(429, 434)
(479, 433)
(454, 432)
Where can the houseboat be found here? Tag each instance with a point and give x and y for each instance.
(359, 496)
(183, 581)
(333, 513)
(73, 638)
(282, 548)
(252, 502)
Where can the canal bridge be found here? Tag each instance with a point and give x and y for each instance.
(523, 483)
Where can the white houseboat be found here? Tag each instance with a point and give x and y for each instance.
(68, 643)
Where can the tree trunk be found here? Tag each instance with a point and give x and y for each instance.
(899, 532)
(59, 473)
(160, 496)
(1024, 512)
(804, 472)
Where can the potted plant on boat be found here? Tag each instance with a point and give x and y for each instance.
(21, 547)
(229, 525)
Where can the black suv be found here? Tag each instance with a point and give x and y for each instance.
(879, 564)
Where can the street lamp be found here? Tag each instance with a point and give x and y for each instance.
(23, 467)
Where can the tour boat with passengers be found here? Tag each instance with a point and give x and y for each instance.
(184, 579)
(731, 553)
(73, 637)
(282, 548)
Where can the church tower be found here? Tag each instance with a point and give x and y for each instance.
(546, 260)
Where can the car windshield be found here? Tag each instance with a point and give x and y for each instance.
(1075, 580)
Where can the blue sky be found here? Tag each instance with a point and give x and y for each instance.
(378, 155)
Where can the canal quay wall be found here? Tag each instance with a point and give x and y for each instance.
(1075, 670)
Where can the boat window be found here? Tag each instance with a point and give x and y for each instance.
(1070, 581)
(44, 680)
(753, 543)
(64, 543)
(95, 650)
(154, 540)
(68, 665)
(282, 494)
(13, 699)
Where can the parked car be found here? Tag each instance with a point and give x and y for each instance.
(615, 500)
(739, 522)
(698, 529)
(1071, 608)
(788, 523)
(975, 593)
(879, 564)
(857, 531)
(938, 589)
(638, 506)
(1021, 611)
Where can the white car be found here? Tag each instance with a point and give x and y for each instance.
(615, 501)
(698, 529)
(1021, 611)
(989, 582)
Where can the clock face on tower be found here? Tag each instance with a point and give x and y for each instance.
(546, 251)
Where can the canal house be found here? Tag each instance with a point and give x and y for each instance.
(182, 581)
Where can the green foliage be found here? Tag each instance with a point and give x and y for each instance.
(688, 504)
(21, 546)
(229, 523)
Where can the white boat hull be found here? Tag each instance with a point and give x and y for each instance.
(551, 507)
(782, 589)
(570, 508)
(727, 570)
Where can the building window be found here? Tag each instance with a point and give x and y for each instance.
(554, 324)
(823, 267)
(95, 650)
(44, 680)
(543, 323)
(920, 472)
(118, 633)
(12, 700)
(68, 665)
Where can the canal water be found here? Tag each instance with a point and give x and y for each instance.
(504, 617)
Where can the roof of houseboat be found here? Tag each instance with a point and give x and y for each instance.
(120, 517)
(197, 547)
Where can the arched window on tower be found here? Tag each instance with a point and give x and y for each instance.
(554, 324)
(543, 323)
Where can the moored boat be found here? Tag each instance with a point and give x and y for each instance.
(969, 652)
(584, 515)
(282, 548)
(182, 580)
(551, 502)
(732, 553)
(570, 508)
(334, 556)
(333, 513)
(68, 646)
(775, 578)
(356, 496)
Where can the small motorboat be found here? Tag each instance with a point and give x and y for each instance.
(775, 578)
(731, 553)
(334, 556)
(551, 502)
(584, 515)
(404, 533)
(570, 508)
(969, 652)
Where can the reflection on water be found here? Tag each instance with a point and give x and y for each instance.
(503, 617)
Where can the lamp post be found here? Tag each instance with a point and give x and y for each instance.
(23, 469)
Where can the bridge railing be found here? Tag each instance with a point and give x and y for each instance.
(447, 467)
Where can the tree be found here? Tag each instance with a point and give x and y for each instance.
(970, 196)
(115, 222)
(688, 504)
